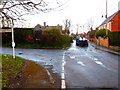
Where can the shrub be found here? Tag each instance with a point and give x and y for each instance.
(92, 34)
(114, 38)
(53, 37)
(101, 33)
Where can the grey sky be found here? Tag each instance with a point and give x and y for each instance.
(78, 11)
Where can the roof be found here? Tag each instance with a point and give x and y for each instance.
(38, 26)
(109, 18)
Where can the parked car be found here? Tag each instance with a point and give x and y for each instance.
(81, 41)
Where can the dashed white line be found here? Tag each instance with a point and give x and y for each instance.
(63, 76)
(63, 86)
(63, 69)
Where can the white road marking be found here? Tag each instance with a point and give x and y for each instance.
(95, 59)
(72, 57)
(63, 69)
(63, 86)
(98, 62)
(63, 75)
(63, 64)
(81, 63)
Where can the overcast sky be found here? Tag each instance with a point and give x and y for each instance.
(78, 11)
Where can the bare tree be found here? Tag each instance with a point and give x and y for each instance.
(11, 10)
(67, 24)
(90, 24)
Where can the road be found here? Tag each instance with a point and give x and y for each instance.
(79, 67)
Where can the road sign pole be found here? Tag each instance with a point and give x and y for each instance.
(13, 43)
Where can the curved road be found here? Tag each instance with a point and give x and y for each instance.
(79, 67)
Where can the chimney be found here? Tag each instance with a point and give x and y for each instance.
(44, 23)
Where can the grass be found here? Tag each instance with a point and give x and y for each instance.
(10, 68)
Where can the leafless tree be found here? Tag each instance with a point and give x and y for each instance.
(11, 10)
(90, 24)
(67, 24)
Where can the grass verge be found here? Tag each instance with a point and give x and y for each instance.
(21, 73)
(10, 68)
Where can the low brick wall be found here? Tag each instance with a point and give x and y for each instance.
(93, 40)
(115, 47)
(104, 42)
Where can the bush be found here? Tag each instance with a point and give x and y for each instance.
(92, 34)
(53, 37)
(114, 38)
(101, 33)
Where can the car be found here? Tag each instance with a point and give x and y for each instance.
(81, 41)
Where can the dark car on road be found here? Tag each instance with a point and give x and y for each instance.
(81, 41)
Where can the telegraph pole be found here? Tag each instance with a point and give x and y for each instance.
(106, 18)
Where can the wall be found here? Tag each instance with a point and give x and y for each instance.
(103, 42)
(93, 40)
(116, 21)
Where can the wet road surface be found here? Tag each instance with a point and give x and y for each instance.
(90, 68)
(78, 67)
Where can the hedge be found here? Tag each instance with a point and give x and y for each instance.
(49, 37)
(22, 34)
(53, 37)
(114, 38)
(6, 37)
(101, 33)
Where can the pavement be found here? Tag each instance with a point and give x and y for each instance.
(117, 52)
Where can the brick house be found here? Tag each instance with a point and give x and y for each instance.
(113, 22)
(45, 27)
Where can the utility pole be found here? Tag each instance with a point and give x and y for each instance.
(83, 28)
(106, 18)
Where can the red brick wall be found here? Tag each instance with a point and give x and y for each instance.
(116, 22)
(104, 42)
(93, 40)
